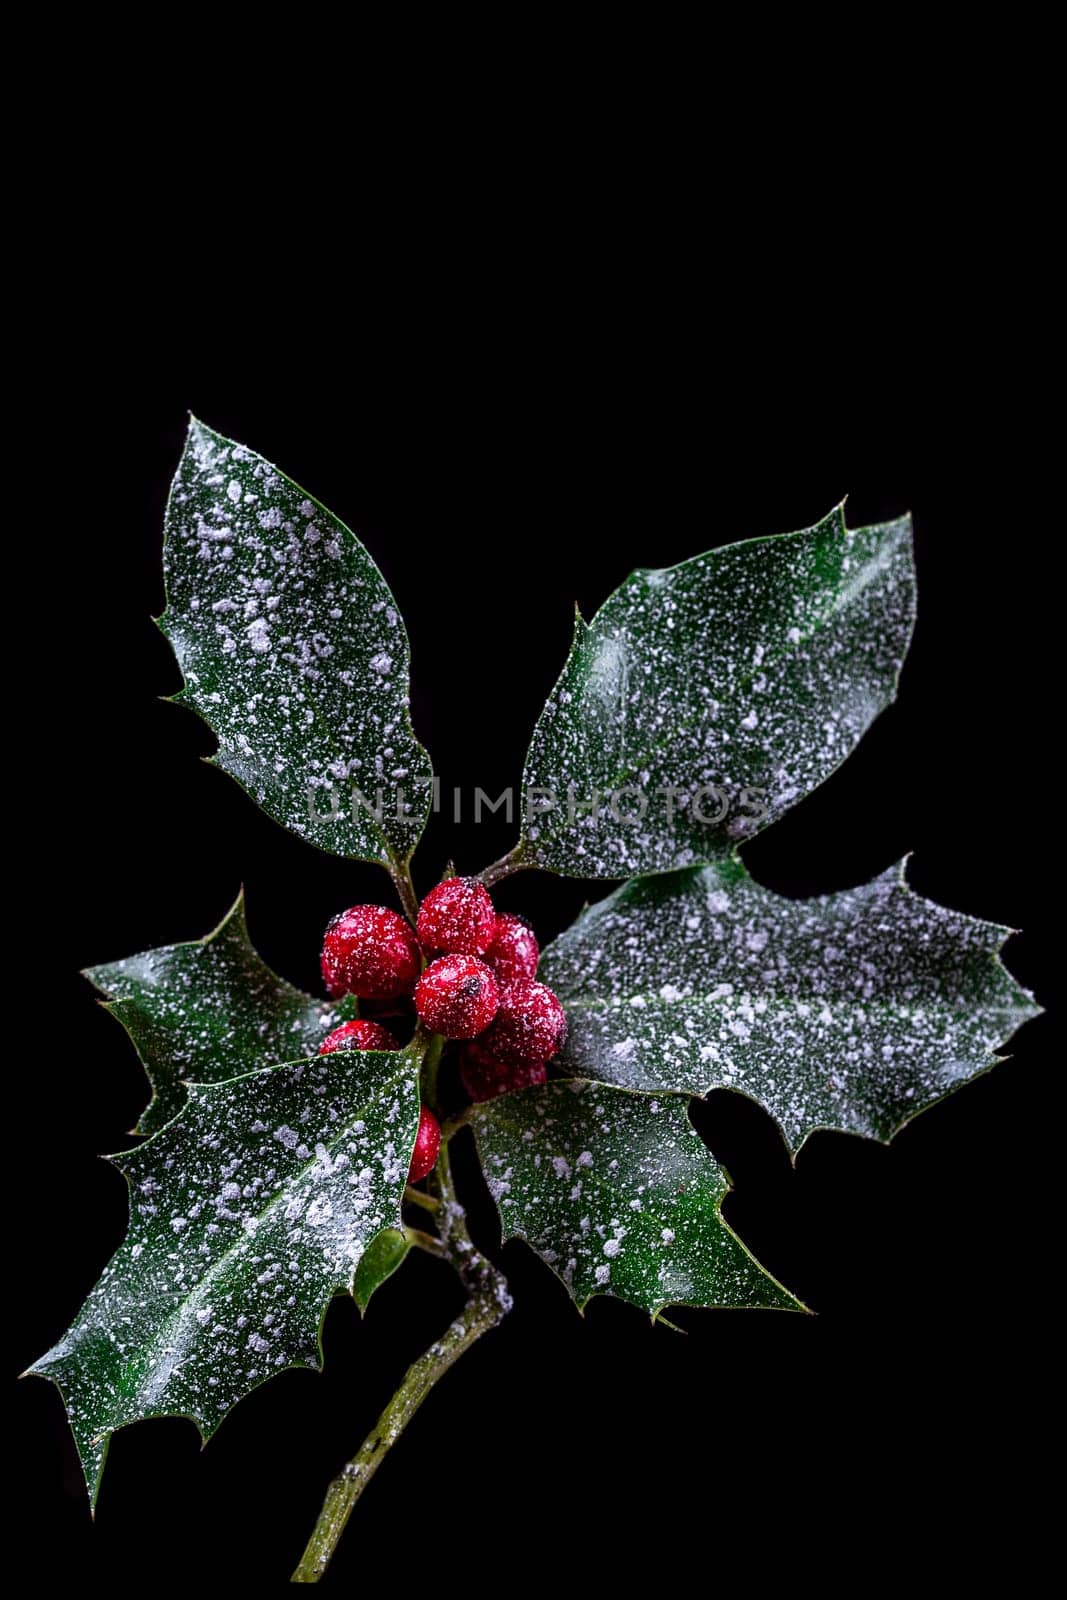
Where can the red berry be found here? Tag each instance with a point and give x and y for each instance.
(530, 1026)
(372, 952)
(514, 952)
(484, 1077)
(457, 996)
(457, 918)
(359, 1034)
(427, 1144)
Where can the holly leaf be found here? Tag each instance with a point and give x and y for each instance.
(619, 1195)
(247, 1213)
(379, 1261)
(704, 700)
(852, 1011)
(293, 652)
(210, 1010)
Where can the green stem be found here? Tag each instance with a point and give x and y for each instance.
(431, 1060)
(424, 1241)
(400, 872)
(504, 868)
(487, 1304)
(450, 1128)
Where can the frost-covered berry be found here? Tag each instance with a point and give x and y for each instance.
(457, 996)
(514, 952)
(427, 1144)
(372, 952)
(484, 1077)
(359, 1034)
(457, 918)
(530, 1026)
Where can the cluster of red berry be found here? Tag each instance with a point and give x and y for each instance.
(477, 986)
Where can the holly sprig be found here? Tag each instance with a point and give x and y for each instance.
(697, 706)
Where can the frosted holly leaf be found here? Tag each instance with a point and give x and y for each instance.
(852, 1011)
(704, 700)
(210, 1010)
(293, 652)
(619, 1195)
(247, 1213)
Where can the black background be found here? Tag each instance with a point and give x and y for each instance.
(494, 489)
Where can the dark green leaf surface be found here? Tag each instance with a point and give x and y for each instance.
(379, 1261)
(851, 1011)
(247, 1213)
(755, 667)
(210, 1010)
(292, 651)
(618, 1194)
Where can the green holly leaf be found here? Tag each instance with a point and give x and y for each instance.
(210, 1010)
(852, 1011)
(293, 652)
(379, 1261)
(618, 1194)
(704, 700)
(247, 1213)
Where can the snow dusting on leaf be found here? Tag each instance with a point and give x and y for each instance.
(618, 1194)
(293, 651)
(733, 683)
(211, 1010)
(851, 1011)
(247, 1213)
